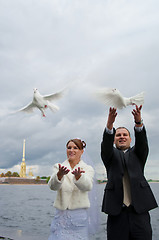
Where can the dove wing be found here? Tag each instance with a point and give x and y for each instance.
(110, 99)
(137, 99)
(53, 96)
(28, 108)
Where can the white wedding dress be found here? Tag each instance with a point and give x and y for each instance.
(70, 225)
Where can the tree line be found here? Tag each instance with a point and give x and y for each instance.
(9, 174)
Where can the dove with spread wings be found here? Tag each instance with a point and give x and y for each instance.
(42, 102)
(113, 98)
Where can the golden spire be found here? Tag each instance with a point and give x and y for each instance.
(23, 165)
(23, 159)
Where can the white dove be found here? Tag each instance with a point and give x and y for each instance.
(113, 98)
(42, 102)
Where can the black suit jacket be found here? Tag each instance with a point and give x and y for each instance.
(134, 160)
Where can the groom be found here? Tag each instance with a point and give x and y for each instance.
(128, 197)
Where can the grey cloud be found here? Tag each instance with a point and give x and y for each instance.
(82, 45)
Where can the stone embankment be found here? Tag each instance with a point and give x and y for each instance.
(18, 180)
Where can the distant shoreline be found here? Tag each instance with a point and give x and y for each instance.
(33, 181)
(21, 181)
(5, 238)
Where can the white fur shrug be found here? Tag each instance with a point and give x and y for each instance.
(72, 193)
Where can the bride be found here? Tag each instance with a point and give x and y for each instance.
(72, 180)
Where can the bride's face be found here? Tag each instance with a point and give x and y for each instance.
(73, 152)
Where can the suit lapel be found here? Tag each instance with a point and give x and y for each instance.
(122, 159)
(126, 156)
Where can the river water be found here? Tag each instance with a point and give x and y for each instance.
(26, 212)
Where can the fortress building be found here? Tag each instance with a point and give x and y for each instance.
(23, 164)
(30, 173)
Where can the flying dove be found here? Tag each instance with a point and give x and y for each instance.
(42, 102)
(113, 98)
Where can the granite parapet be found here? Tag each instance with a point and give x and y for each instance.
(18, 180)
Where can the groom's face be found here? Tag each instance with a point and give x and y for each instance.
(122, 139)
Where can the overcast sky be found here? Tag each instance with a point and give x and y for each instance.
(82, 45)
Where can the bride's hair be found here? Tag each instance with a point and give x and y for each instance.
(78, 142)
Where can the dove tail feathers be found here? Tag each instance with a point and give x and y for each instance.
(53, 107)
(138, 99)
